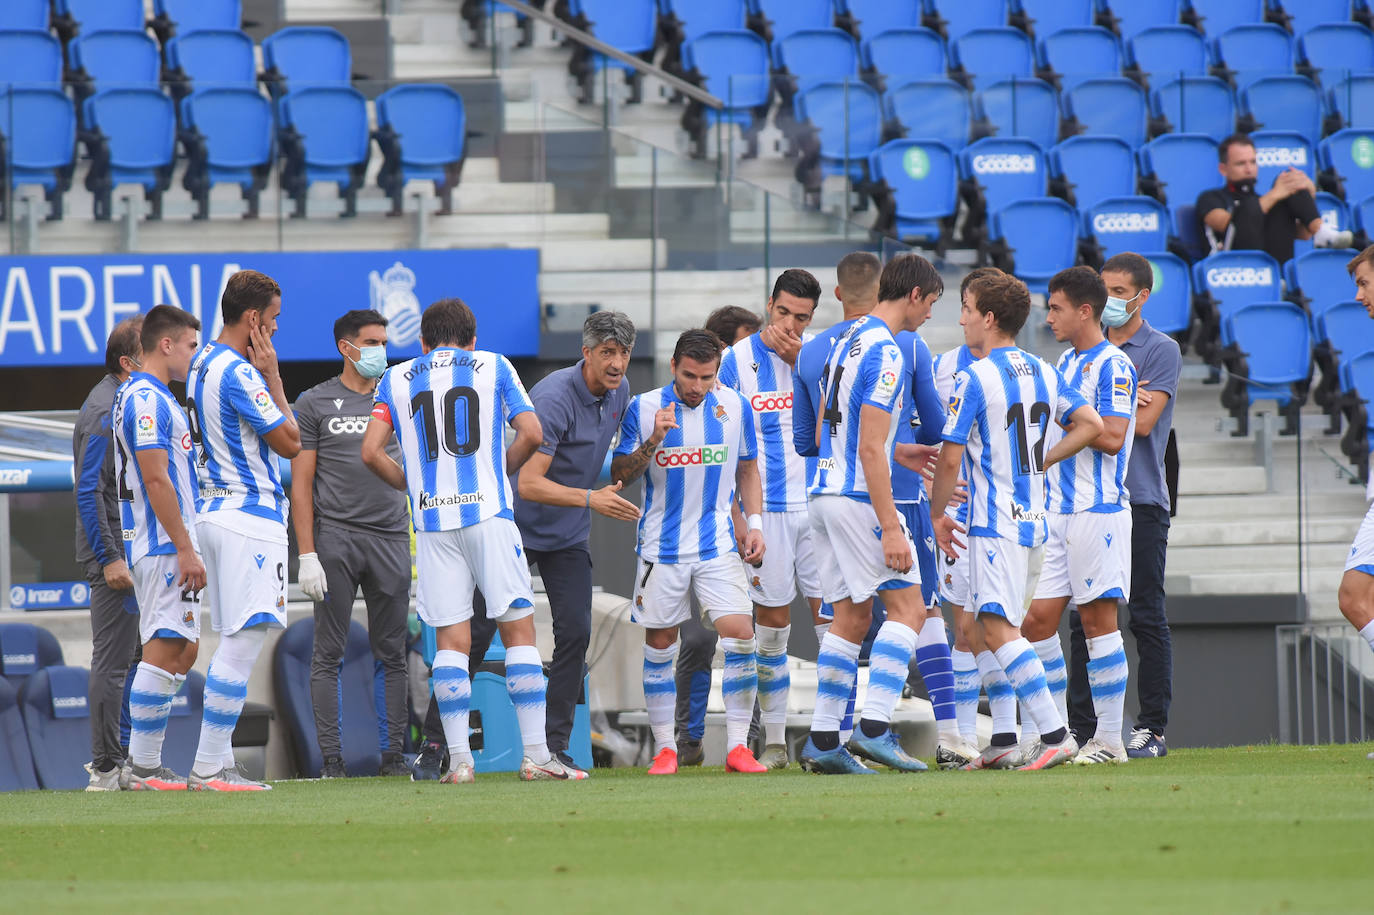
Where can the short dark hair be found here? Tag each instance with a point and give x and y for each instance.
(1235, 139)
(977, 273)
(350, 323)
(857, 271)
(1364, 257)
(699, 345)
(1083, 286)
(1005, 298)
(448, 322)
(799, 284)
(1133, 265)
(906, 272)
(247, 290)
(165, 321)
(726, 321)
(124, 341)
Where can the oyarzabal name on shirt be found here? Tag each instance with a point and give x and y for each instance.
(688, 455)
(428, 500)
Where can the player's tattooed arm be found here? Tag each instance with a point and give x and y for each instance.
(626, 468)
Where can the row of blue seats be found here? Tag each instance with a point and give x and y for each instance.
(72, 17)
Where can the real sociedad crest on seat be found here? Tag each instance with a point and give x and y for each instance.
(393, 294)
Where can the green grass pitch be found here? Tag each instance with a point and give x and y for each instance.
(1258, 829)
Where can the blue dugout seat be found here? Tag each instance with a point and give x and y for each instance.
(842, 125)
(1120, 224)
(1277, 151)
(1347, 162)
(1088, 169)
(1254, 50)
(866, 18)
(1362, 214)
(954, 18)
(16, 762)
(812, 57)
(1073, 55)
(1319, 276)
(210, 59)
(1351, 101)
(1291, 103)
(1337, 49)
(24, 16)
(1222, 283)
(901, 55)
(1273, 346)
(985, 56)
(1131, 17)
(29, 58)
(1167, 51)
(936, 109)
(733, 66)
(1335, 214)
(1026, 108)
(993, 173)
(107, 60)
(83, 16)
(25, 649)
(776, 19)
(1045, 17)
(227, 133)
(305, 56)
(1110, 106)
(690, 19)
(1216, 16)
(422, 132)
(131, 138)
(1034, 239)
(628, 25)
(185, 17)
(1194, 104)
(1357, 388)
(324, 139)
(54, 705)
(38, 129)
(916, 190)
(1176, 168)
(1171, 298)
(1304, 15)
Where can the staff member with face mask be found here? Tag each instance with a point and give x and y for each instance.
(352, 532)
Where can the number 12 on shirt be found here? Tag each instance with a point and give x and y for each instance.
(1030, 457)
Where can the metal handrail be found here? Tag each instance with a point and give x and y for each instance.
(591, 41)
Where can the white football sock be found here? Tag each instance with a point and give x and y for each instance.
(1050, 651)
(889, 662)
(738, 687)
(226, 689)
(1107, 674)
(774, 681)
(150, 702)
(967, 685)
(836, 667)
(660, 694)
(1027, 676)
(1001, 697)
(525, 686)
(453, 695)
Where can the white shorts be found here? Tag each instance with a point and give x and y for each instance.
(847, 530)
(245, 579)
(1361, 557)
(662, 591)
(788, 559)
(1087, 557)
(1002, 577)
(163, 606)
(488, 555)
(954, 574)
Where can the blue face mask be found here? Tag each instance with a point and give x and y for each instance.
(372, 362)
(1115, 313)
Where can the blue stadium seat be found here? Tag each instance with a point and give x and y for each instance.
(1290, 103)
(1035, 239)
(1171, 299)
(183, 724)
(1352, 100)
(1357, 383)
(357, 701)
(1278, 150)
(1319, 276)
(1120, 224)
(1335, 50)
(26, 649)
(1255, 50)
(73, 16)
(211, 59)
(1225, 281)
(776, 19)
(628, 25)
(103, 60)
(42, 148)
(16, 762)
(1045, 17)
(995, 172)
(422, 131)
(1194, 104)
(816, 56)
(305, 56)
(917, 190)
(183, 17)
(867, 18)
(1112, 105)
(1077, 54)
(1274, 341)
(1135, 16)
(324, 138)
(1347, 161)
(1334, 213)
(937, 109)
(1088, 169)
(56, 716)
(1216, 16)
(131, 138)
(1176, 168)
(1363, 214)
(843, 125)
(1347, 327)
(1019, 108)
(987, 56)
(954, 18)
(24, 16)
(733, 66)
(30, 58)
(693, 18)
(1167, 51)
(228, 136)
(901, 55)
(1303, 15)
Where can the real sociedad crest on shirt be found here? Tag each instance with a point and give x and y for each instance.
(393, 294)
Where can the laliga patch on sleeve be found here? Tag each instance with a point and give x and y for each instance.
(889, 376)
(145, 429)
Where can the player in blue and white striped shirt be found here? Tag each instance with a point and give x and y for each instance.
(239, 417)
(694, 441)
(760, 368)
(156, 473)
(1000, 415)
(448, 409)
(1088, 553)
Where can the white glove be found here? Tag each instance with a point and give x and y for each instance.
(311, 577)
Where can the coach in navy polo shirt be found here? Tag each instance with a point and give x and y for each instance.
(580, 409)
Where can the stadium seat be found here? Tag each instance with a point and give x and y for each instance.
(1074, 55)
(1171, 299)
(16, 762)
(183, 724)
(1351, 101)
(985, 56)
(107, 60)
(1120, 224)
(935, 109)
(1086, 170)
(1045, 17)
(1304, 15)
(955, 18)
(995, 172)
(41, 149)
(227, 135)
(1034, 239)
(813, 57)
(1356, 383)
(26, 649)
(1335, 214)
(686, 20)
(422, 132)
(1248, 52)
(866, 18)
(84, 16)
(1278, 150)
(1019, 108)
(307, 55)
(733, 66)
(1176, 168)
(24, 16)
(1131, 17)
(1318, 276)
(30, 58)
(1289, 103)
(901, 55)
(916, 190)
(324, 138)
(1273, 345)
(1336, 50)
(57, 720)
(1194, 104)
(210, 59)
(131, 139)
(183, 17)
(1225, 281)
(1216, 16)
(1111, 106)
(1362, 213)
(1167, 51)
(1347, 161)
(357, 701)
(776, 19)
(842, 124)
(627, 25)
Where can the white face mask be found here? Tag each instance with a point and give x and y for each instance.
(1115, 313)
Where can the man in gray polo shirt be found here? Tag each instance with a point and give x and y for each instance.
(1157, 360)
(352, 531)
